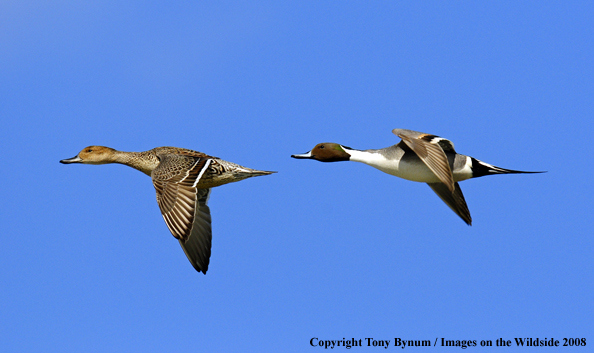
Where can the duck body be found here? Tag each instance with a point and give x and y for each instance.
(418, 157)
(183, 180)
(399, 160)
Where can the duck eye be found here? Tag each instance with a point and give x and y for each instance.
(89, 150)
(321, 146)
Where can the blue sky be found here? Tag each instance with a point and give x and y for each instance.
(317, 250)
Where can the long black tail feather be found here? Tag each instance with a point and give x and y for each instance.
(480, 169)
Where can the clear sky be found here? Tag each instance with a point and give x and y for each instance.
(326, 250)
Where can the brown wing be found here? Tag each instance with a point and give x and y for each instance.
(455, 200)
(430, 149)
(197, 246)
(183, 206)
(161, 151)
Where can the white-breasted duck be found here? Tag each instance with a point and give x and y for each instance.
(418, 157)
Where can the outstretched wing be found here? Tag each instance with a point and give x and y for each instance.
(183, 206)
(431, 150)
(455, 200)
(197, 246)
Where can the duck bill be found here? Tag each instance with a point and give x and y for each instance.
(307, 155)
(76, 159)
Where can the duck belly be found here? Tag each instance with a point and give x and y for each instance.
(409, 170)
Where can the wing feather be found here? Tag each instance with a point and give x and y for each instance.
(455, 200)
(183, 206)
(429, 149)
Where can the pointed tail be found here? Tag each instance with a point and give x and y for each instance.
(480, 168)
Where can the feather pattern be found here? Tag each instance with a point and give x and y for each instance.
(183, 206)
(430, 151)
(418, 157)
(183, 180)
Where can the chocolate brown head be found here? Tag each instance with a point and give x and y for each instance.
(326, 152)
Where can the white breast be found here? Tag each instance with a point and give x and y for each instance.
(415, 171)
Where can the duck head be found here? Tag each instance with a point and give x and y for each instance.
(326, 152)
(93, 155)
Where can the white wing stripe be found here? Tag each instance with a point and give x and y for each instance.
(202, 172)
